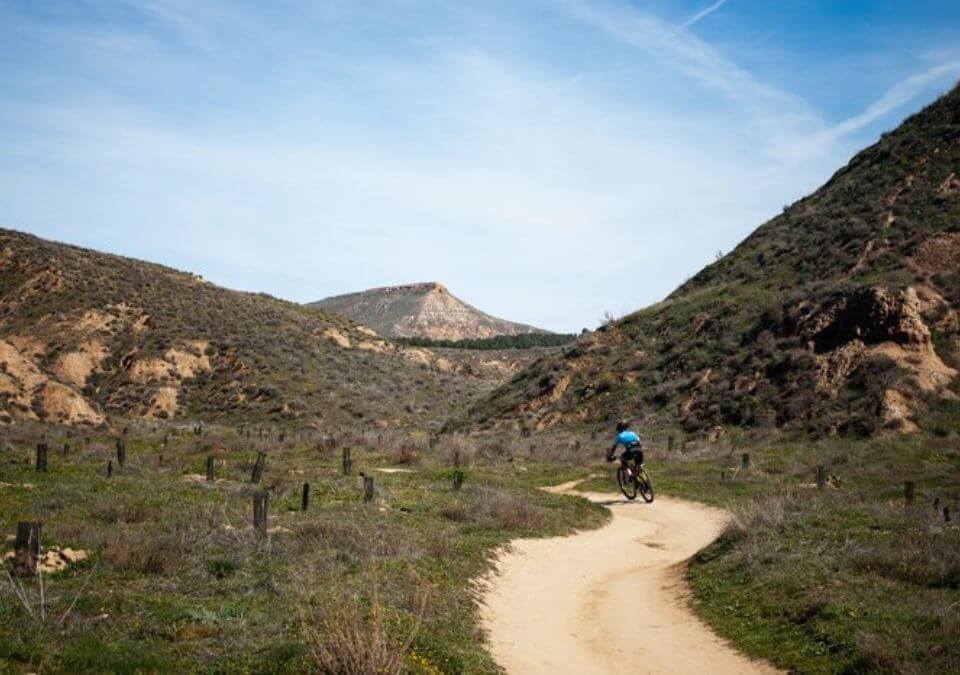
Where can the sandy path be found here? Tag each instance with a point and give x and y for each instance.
(608, 600)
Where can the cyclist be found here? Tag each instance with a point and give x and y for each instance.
(632, 446)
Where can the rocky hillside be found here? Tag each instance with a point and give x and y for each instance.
(425, 310)
(838, 315)
(85, 337)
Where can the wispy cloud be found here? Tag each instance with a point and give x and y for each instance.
(787, 125)
(899, 95)
(314, 148)
(703, 13)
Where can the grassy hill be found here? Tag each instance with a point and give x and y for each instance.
(86, 336)
(838, 315)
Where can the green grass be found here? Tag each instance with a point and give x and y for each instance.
(844, 579)
(177, 579)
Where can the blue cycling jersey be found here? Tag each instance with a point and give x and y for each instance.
(628, 438)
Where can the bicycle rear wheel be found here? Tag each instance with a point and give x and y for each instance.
(645, 485)
(627, 483)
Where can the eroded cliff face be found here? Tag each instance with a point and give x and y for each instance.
(423, 310)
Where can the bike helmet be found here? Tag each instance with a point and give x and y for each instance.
(622, 426)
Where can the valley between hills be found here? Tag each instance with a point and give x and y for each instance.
(205, 480)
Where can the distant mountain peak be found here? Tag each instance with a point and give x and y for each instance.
(424, 309)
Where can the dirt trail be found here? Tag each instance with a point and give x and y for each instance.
(610, 600)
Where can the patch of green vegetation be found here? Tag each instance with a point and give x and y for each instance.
(177, 579)
(521, 341)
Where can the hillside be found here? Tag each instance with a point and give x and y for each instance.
(86, 336)
(426, 310)
(838, 315)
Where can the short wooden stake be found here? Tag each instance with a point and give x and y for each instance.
(210, 465)
(821, 476)
(41, 456)
(533, 449)
(457, 480)
(260, 500)
(347, 462)
(908, 492)
(257, 472)
(946, 514)
(66, 449)
(669, 443)
(305, 497)
(121, 453)
(27, 547)
(745, 461)
(368, 488)
(723, 476)
(456, 459)
(109, 468)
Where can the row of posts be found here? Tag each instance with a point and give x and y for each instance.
(27, 543)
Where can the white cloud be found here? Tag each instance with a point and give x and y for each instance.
(703, 13)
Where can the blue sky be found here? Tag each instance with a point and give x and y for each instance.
(548, 160)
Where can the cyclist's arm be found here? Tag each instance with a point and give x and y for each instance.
(612, 451)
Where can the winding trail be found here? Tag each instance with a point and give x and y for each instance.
(608, 601)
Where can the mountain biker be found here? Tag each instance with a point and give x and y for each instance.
(632, 446)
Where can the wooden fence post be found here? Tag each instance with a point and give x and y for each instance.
(66, 449)
(670, 443)
(456, 459)
(368, 488)
(821, 476)
(908, 492)
(946, 514)
(745, 461)
(109, 468)
(305, 497)
(347, 462)
(533, 449)
(41, 456)
(27, 547)
(210, 465)
(457, 480)
(257, 472)
(121, 452)
(260, 500)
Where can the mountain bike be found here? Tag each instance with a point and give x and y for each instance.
(633, 480)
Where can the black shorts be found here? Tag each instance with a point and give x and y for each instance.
(635, 453)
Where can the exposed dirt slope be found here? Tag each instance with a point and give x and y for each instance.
(85, 336)
(426, 310)
(840, 314)
(610, 600)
